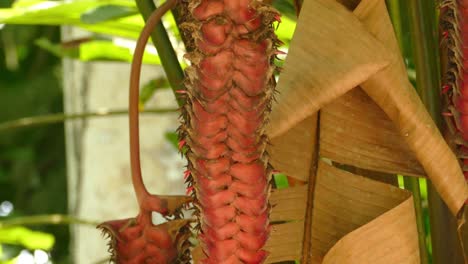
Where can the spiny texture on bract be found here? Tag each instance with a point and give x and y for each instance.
(229, 91)
(454, 42)
(137, 240)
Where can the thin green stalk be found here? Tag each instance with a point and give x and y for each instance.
(52, 219)
(61, 117)
(397, 15)
(412, 184)
(169, 61)
(424, 31)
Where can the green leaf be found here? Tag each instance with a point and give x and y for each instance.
(70, 12)
(57, 49)
(26, 237)
(281, 181)
(173, 138)
(285, 29)
(98, 49)
(286, 8)
(26, 3)
(151, 87)
(107, 12)
(108, 50)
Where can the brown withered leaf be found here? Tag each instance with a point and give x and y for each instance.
(358, 140)
(349, 208)
(344, 67)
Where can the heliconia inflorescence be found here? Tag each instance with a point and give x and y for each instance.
(229, 89)
(137, 240)
(454, 48)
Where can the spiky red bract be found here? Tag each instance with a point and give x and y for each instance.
(137, 240)
(229, 91)
(454, 40)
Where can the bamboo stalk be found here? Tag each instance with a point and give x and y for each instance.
(423, 26)
(169, 61)
(61, 117)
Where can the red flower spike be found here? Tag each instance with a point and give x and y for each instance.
(231, 80)
(453, 22)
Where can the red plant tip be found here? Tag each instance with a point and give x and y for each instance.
(278, 17)
(181, 144)
(445, 34)
(186, 174)
(276, 172)
(181, 91)
(447, 114)
(445, 88)
(189, 190)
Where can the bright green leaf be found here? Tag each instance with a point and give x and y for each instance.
(57, 49)
(96, 50)
(285, 29)
(148, 90)
(26, 3)
(173, 138)
(286, 8)
(281, 181)
(26, 237)
(107, 12)
(69, 13)
(108, 50)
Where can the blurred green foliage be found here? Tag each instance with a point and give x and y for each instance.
(32, 164)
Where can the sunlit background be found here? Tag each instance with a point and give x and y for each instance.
(32, 163)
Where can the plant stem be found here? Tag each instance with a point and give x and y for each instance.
(60, 117)
(398, 12)
(445, 244)
(169, 61)
(53, 219)
(412, 184)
